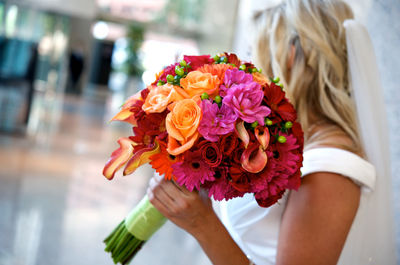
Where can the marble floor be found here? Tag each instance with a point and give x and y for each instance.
(55, 205)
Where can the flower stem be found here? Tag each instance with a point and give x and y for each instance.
(122, 245)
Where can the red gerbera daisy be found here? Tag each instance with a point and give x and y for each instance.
(274, 97)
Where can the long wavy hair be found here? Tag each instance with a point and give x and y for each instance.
(303, 42)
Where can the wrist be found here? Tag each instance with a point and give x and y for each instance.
(208, 228)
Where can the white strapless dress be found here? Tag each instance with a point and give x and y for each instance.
(255, 229)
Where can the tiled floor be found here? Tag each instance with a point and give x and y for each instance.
(56, 207)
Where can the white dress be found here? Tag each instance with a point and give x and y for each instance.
(255, 229)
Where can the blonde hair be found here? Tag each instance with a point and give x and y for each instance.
(317, 81)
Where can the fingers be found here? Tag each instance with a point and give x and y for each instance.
(183, 189)
(157, 203)
(166, 196)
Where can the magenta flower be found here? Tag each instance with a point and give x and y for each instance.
(234, 77)
(216, 121)
(245, 100)
(281, 167)
(192, 171)
(221, 188)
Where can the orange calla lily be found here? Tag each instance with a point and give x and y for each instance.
(263, 136)
(119, 157)
(141, 157)
(242, 133)
(126, 114)
(254, 159)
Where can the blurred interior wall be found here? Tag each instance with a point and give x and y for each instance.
(218, 29)
(78, 8)
(80, 39)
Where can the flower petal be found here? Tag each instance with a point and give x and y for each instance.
(254, 162)
(119, 157)
(242, 133)
(141, 157)
(176, 148)
(263, 136)
(125, 115)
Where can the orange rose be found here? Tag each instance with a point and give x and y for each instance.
(161, 96)
(216, 69)
(182, 123)
(259, 78)
(196, 83)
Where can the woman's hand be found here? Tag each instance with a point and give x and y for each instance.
(191, 211)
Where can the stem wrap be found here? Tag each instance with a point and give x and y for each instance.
(144, 220)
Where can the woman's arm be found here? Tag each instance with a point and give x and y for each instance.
(317, 220)
(193, 212)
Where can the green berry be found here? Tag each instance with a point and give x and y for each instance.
(280, 84)
(254, 70)
(242, 67)
(260, 70)
(223, 59)
(170, 78)
(216, 58)
(276, 79)
(268, 122)
(177, 79)
(179, 70)
(183, 63)
(160, 83)
(204, 96)
(282, 139)
(288, 124)
(254, 124)
(218, 99)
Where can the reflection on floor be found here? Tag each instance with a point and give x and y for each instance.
(56, 207)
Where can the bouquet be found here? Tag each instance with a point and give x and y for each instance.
(213, 123)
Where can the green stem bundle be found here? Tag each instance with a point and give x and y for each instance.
(122, 245)
(129, 236)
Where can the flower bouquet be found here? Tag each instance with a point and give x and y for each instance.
(213, 123)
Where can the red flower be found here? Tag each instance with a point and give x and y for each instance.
(274, 97)
(197, 61)
(149, 127)
(228, 143)
(298, 134)
(269, 200)
(236, 155)
(232, 58)
(169, 70)
(240, 178)
(221, 187)
(210, 153)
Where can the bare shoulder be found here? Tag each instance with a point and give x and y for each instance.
(318, 218)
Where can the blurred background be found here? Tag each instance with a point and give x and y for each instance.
(65, 69)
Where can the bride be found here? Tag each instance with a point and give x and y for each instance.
(341, 213)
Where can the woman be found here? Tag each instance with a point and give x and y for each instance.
(303, 42)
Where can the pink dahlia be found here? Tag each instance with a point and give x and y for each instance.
(245, 100)
(216, 121)
(192, 171)
(234, 77)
